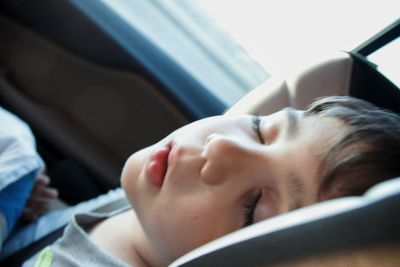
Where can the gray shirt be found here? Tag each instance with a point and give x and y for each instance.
(75, 248)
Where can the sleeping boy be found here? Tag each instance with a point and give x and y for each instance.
(223, 173)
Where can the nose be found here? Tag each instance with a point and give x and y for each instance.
(226, 157)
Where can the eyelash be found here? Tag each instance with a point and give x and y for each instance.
(256, 127)
(251, 202)
(249, 208)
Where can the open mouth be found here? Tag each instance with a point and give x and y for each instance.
(158, 165)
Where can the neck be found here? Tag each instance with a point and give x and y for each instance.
(123, 237)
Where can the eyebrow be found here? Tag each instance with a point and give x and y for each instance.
(296, 187)
(293, 123)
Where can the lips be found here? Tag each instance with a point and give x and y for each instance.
(158, 165)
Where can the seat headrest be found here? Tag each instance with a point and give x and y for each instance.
(330, 76)
(339, 74)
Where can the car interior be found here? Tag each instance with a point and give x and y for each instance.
(91, 103)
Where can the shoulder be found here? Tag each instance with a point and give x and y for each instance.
(75, 248)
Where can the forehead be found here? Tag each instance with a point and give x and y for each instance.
(319, 134)
(314, 128)
(321, 131)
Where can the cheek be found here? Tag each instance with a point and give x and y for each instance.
(185, 225)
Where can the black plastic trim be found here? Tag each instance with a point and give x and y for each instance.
(379, 40)
(369, 84)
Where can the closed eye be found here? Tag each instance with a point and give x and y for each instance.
(256, 128)
(249, 207)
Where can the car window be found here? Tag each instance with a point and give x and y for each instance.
(232, 46)
(286, 34)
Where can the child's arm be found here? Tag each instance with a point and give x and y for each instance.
(41, 198)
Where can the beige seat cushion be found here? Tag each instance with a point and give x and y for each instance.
(330, 76)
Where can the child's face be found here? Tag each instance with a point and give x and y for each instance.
(217, 175)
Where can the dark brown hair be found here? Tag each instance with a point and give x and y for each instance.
(368, 152)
